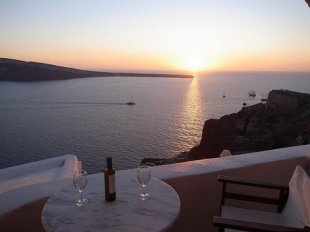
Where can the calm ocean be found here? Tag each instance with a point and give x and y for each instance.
(85, 117)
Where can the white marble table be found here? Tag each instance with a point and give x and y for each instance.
(126, 213)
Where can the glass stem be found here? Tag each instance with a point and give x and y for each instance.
(81, 195)
(143, 189)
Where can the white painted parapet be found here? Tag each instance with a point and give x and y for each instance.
(195, 182)
(37, 172)
(198, 189)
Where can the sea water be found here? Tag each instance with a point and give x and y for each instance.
(89, 117)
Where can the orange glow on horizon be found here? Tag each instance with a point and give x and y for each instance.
(191, 60)
(148, 35)
(190, 64)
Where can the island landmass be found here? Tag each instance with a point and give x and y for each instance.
(17, 70)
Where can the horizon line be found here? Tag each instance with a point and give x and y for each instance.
(167, 71)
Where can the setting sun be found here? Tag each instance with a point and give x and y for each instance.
(194, 64)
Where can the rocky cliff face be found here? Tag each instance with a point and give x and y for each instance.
(283, 121)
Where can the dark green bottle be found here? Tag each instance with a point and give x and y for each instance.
(109, 181)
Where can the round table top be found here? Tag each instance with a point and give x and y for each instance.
(126, 213)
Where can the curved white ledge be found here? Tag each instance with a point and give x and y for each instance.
(37, 172)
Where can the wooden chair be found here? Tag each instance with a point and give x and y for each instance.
(292, 203)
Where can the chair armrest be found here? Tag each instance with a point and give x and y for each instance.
(249, 182)
(250, 226)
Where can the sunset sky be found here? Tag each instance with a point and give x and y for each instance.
(189, 35)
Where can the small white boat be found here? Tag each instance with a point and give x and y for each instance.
(131, 102)
(252, 93)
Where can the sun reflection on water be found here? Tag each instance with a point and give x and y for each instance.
(191, 118)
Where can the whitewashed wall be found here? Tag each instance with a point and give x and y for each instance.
(195, 182)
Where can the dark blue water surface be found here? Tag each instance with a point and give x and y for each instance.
(88, 117)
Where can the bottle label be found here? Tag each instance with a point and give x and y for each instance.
(112, 184)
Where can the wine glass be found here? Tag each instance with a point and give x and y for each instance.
(144, 176)
(80, 182)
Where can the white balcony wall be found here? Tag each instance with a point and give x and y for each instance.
(195, 182)
(200, 193)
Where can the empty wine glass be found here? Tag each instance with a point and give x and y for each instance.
(80, 182)
(144, 176)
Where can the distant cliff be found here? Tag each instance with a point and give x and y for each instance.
(17, 70)
(283, 121)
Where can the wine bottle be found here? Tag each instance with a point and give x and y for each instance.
(109, 181)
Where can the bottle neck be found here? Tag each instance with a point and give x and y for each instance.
(109, 162)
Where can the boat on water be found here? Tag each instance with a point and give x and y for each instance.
(264, 100)
(252, 93)
(130, 103)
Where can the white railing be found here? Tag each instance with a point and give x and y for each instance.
(198, 189)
